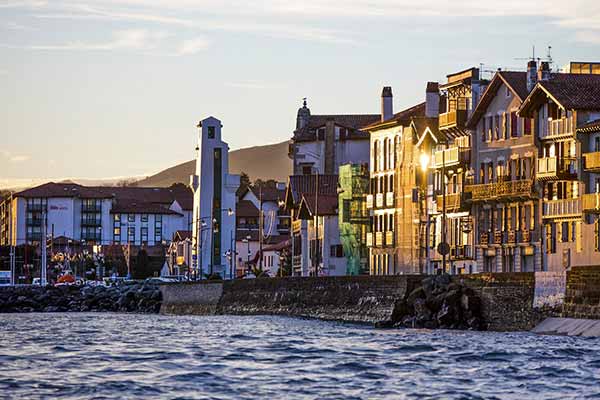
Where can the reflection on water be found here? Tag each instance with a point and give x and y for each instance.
(150, 356)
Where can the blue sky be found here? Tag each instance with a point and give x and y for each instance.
(115, 88)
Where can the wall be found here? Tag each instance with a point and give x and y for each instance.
(582, 298)
(197, 298)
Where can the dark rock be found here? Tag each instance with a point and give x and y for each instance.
(386, 324)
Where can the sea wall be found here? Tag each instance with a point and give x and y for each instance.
(582, 298)
(506, 299)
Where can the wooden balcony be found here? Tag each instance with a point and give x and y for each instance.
(378, 239)
(525, 236)
(369, 202)
(484, 239)
(552, 168)
(561, 208)
(451, 157)
(558, 128)
(591, 161)
(590, 203)
(453, 119)
(501, 191)
(369, 239)
(389, 238)
(454, 202)
(389, 199)
(497, 237)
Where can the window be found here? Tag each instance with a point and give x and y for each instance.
(117, 218)
(527, 128)
(306, 170)
(130, 217)
(507, 92)
(514, 121)
(321, 134)
(211, 132)
(131, 234)
(158, 228)
(336, 251)
(144, 217)
(144, 234)
(483, 129)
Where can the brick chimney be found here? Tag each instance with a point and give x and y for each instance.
(544, 71)
(387, 106)
(531, 74)
(432, 100)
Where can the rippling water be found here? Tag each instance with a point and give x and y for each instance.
(151, 356)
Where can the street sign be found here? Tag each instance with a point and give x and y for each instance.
(443, 248)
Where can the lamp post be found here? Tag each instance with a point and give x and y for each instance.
(424, 160)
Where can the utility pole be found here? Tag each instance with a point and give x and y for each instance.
(13, 271)
(260, 227)
(44, 249)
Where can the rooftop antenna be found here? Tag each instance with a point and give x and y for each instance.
(549, 57)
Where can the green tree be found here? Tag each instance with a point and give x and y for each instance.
(244, 184)
(142, 265)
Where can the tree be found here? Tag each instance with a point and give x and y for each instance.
(142, 265)
(244, 184)
(285, 262)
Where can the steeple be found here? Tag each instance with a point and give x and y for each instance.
(303, 115)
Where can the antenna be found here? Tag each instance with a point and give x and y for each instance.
(549, 56)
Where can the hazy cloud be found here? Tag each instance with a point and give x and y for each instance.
(14, 158)
(193, 46)
(253, 85)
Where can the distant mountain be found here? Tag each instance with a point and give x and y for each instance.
(265, 162)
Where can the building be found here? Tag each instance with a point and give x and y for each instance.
(97, 215)
(321, 143)
(312, 201)
(179, 253)
(354, 217)
(213, 225)
(394, 165)
(566, 109)
(505, 204)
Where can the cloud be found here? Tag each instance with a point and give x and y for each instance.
(588, 36)
(128, 39)
(24, 4)
(14, 158)
(193, 46)
(253, 85)
(14, 26)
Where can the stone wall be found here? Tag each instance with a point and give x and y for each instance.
(582, 299)
(196, 298)
(363, 299)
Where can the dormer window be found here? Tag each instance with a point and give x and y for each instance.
(211, 132)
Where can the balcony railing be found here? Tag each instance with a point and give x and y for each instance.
(508, 190)
(369, 201)
(389, 238)
(453, 119)
(556, 168)
(378, 239)
(561, 208)
(369, 239)
(36, 207)
(454, 201)
(379, 200)
(34, 221)
(591, 161)
(389, 199)
(590, 203)
(461, 252)
(557, 128)
(484, 239)
(452, 156)
(497, 237)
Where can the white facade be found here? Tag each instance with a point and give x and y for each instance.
(312, 154)
(214, 201)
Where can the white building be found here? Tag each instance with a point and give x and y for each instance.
(214, 203)
(97, 215)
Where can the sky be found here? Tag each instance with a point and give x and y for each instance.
(101, 88)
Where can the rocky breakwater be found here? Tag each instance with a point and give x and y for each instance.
(439, 303)
(140, 297)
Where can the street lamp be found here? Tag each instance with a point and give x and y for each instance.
(247, 241)
(424, 160)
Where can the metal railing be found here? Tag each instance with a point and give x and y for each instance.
(454, 118)
(506, 189)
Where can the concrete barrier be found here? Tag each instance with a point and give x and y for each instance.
(569, 327)
(196, 298)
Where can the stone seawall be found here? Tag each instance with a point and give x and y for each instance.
(506, 299)
(582, 298)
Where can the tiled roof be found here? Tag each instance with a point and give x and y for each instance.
(402, 117)
(517, 83)
(422, 123)
(245, 208)
(182, 235)
(269, 193)
(129, 206)
(52, 189)
(353, 122)
(299, 185)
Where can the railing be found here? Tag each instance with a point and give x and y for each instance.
(369, 201)
(561, 208)
(511, 237)
(451, 119)
(591, 203)
(552, 167)
(525, 236)
(484, 239)
(499, 190)
(379, 200)
(452, 156)
(296, 226)
(558, 127)
(591, 161)
(389, 199)
(389, 238)
(369, 239)
(497, 237)
(378, 239)
(91, 207)
(454, 201)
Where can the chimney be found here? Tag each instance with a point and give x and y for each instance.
(544, 71)
(387, 108)
(432, 100)
(531, 75)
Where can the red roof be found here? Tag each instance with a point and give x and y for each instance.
(403, 117)
(245, 208)
(323, 205)
(300, 185)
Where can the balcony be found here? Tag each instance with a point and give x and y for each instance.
(389, 238)
(484, 239)
(557, 128)
(590, 203)
(552, 168)
(497, 237)
(91, 222)
(591, 161)
(501, 191)
(451, 157)
(454, 201)
(461, 252)
(36, 207)
(511, 237)
(389, 199)
(369, 239)
(378, 239)
(453, 119)
(379, 200)
(561, 208)
(369, 202)
(525, 236)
